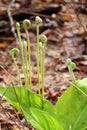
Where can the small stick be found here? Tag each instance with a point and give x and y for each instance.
(11, 19)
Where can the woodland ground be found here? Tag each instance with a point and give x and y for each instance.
(63, 24)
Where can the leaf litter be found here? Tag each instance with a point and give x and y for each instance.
(66, 39)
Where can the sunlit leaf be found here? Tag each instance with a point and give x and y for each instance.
(72, 107)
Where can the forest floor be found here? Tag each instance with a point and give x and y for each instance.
(64, 24)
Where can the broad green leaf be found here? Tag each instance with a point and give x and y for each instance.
(25, 98)
(42, 120)
(8, 93)
(72, 107)
(29, 117)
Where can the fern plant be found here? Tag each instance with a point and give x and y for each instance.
(70, 111)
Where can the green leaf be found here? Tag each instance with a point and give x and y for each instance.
(43, 120)
(25, 101)
(72, 107)
(29, 117)
(16, 95)
(8, 93)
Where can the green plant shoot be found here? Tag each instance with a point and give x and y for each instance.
(38, 21)
(27, 26)
(22, 53)
(42, 45)
(13, 52)
(71, 66)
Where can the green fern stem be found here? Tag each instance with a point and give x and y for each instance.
(37, 57)
(42, 69)
(26, 62)
(22, 55)
(71, 74)
(15, 62)
(29, 58)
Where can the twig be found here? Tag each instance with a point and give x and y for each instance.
(16, 98)
(11, 19)
(8, 73)
(78, 18)
(9, 115)
(18, 103)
